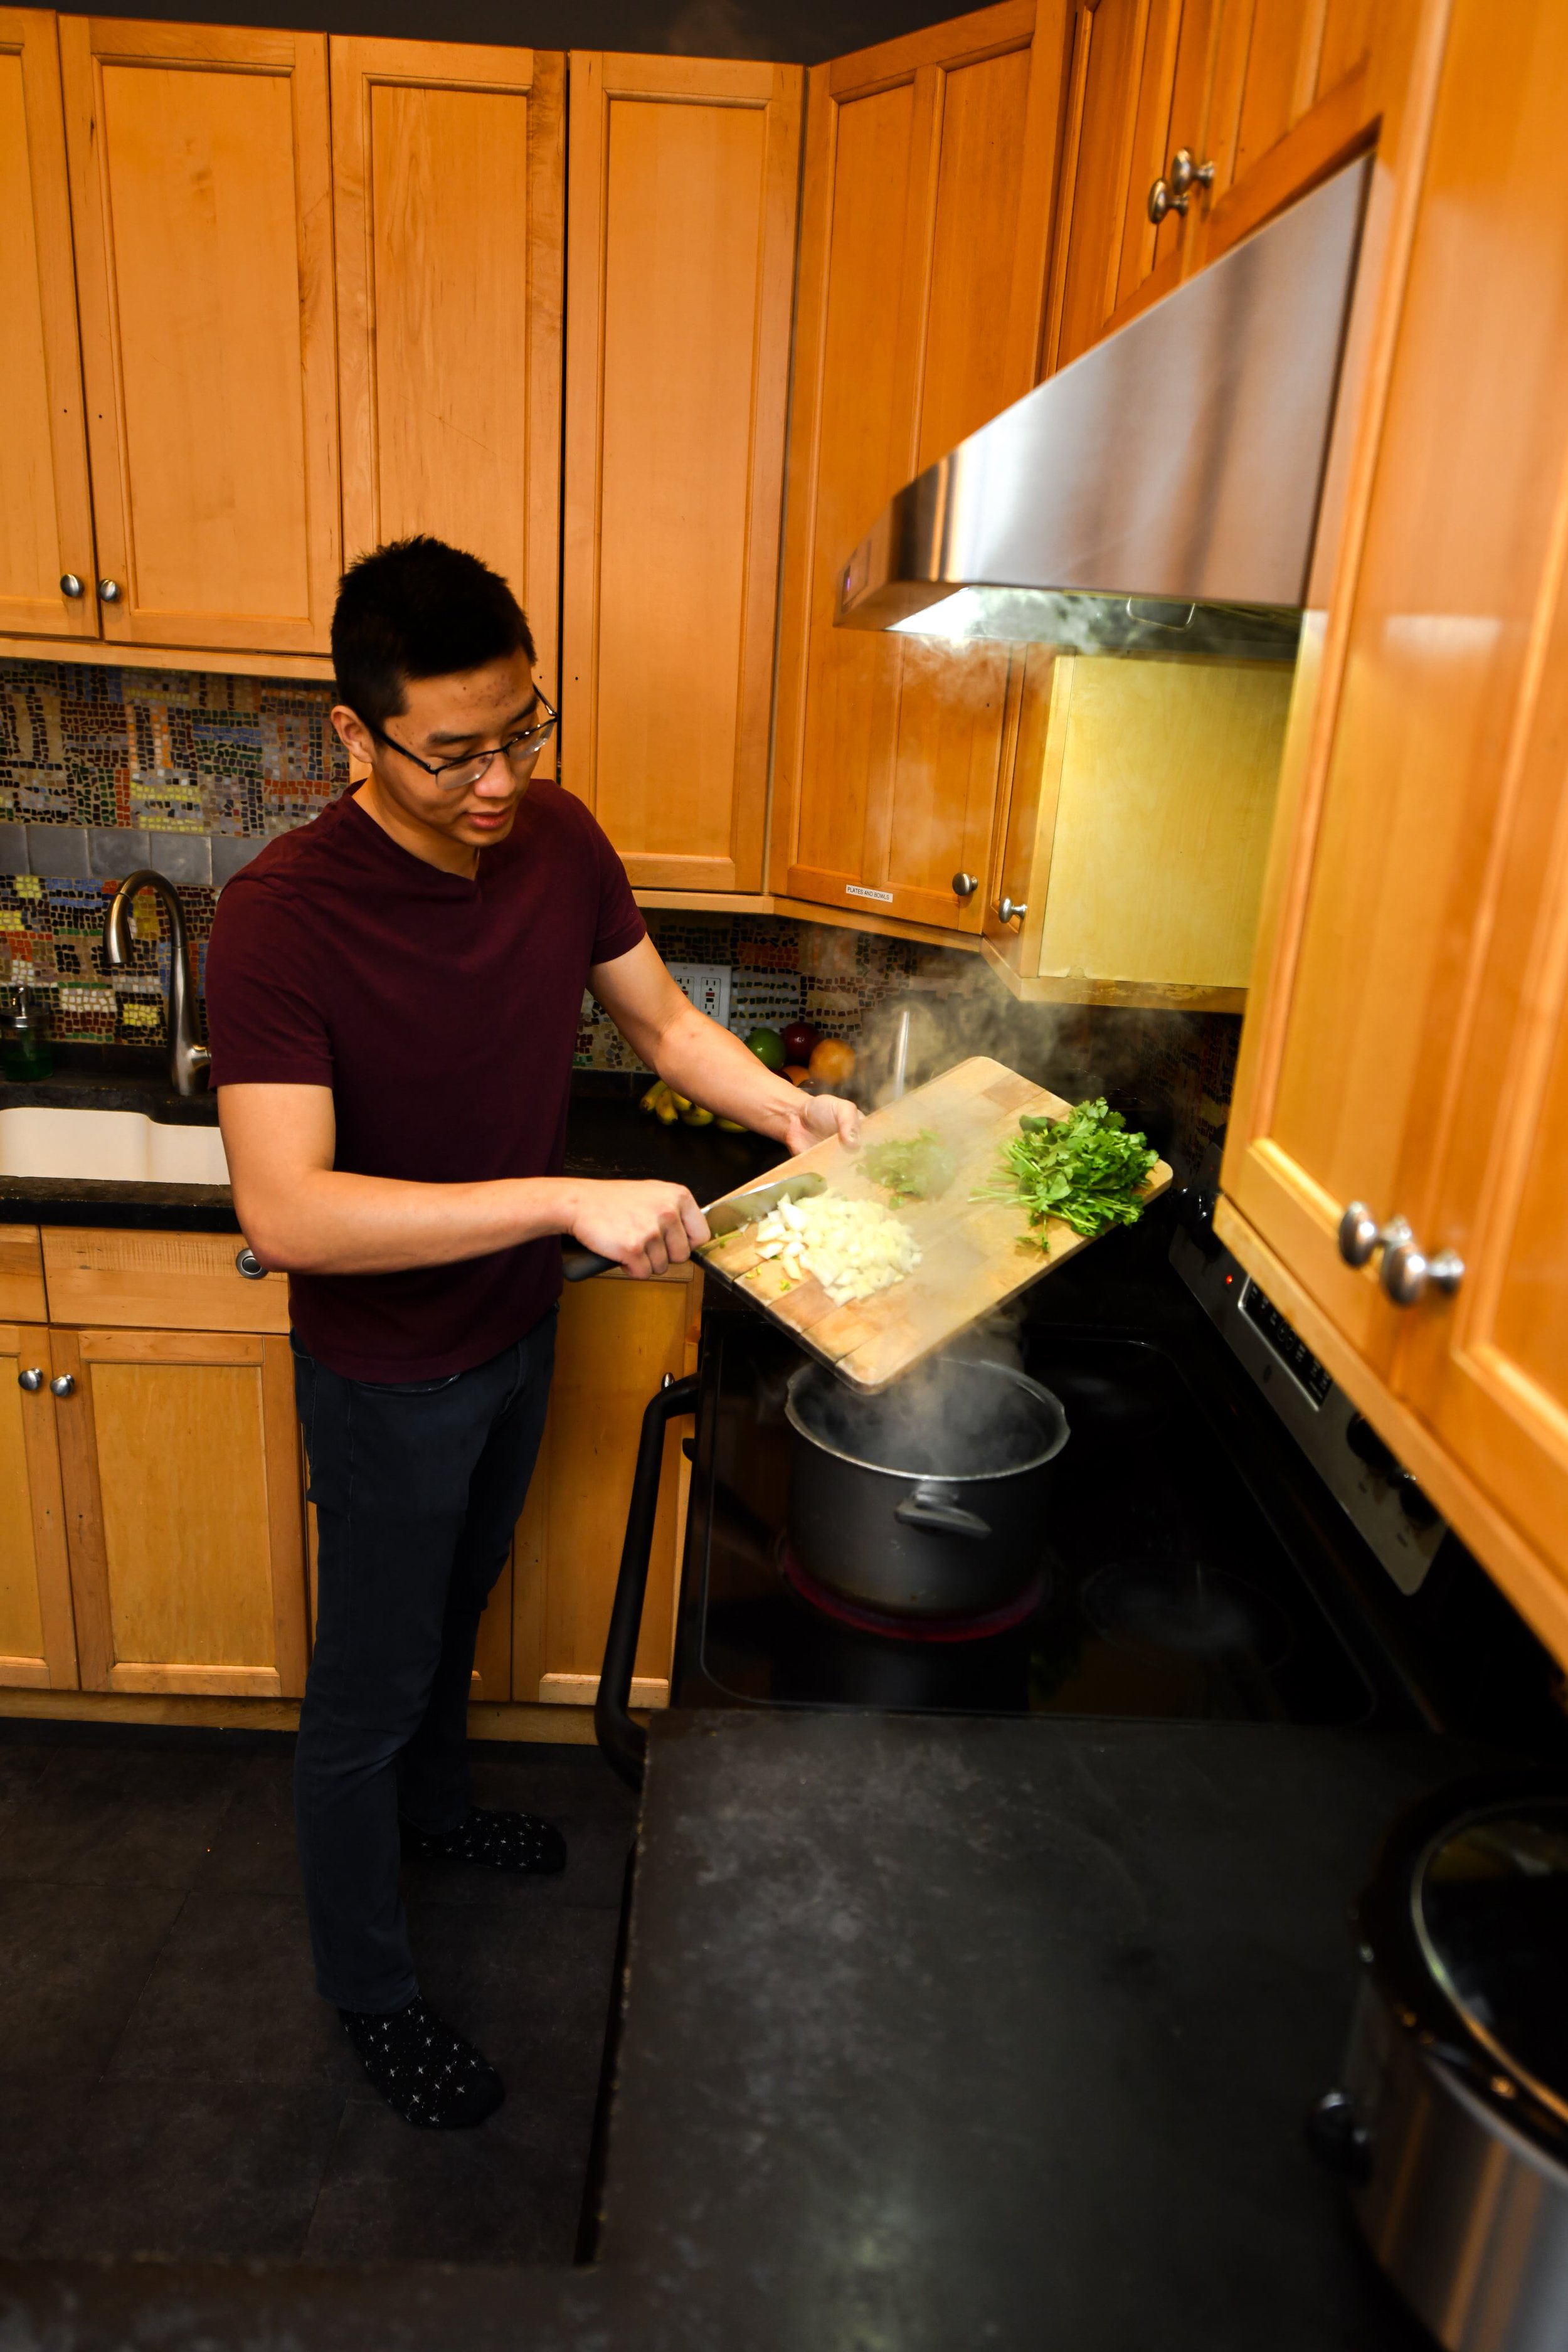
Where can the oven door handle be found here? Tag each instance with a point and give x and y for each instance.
(623, 1742)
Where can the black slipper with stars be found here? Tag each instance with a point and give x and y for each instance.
(427, 2073)
(498, 1841)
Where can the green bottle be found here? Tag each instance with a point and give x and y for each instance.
(26, 1049)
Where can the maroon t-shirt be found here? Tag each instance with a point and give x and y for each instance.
(443, 1014)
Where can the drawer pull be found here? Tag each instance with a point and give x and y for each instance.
(250, 1265)
(63, 1385)
(32, 1379)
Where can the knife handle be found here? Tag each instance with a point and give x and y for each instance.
(582, 1264)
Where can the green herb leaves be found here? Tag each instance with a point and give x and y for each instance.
(911, 1167)
(1085, 1169)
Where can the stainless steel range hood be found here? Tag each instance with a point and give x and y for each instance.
(1159, 495)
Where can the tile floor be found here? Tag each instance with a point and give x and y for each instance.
(170, 2084)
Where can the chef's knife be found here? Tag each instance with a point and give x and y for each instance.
(726, 1216)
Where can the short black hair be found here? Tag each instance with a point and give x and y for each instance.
(419, 608)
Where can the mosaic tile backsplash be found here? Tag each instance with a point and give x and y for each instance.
(102, 771)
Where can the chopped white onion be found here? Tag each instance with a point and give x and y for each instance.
(853, 1248)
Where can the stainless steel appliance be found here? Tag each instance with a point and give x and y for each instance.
(1162, 493)
(1450, 2121)
(1207, 1552)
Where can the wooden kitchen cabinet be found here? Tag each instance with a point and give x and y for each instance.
(1408, 1044)
(1266, 97)
(38, 1637)
(684, 181)
(180, 1466)
(1136, 830)
(201, 203)
(925, 220)
(448, 202)
(46, 505)
(617, 1340)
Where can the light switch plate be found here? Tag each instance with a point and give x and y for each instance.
(708, 986)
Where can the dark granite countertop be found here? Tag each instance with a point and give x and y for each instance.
(938, 2033)
(606, 1137)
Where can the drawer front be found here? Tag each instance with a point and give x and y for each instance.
(132, 1281)
(21, 1276)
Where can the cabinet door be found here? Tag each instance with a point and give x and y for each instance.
(617, 1340)
(46, 510)
(1135, 95)
(38, 1640)
(201, 181)
(1296, 88)
(1404, 1045)
(920, 192)
(180, 1456)
(448, 201)
(684, 176)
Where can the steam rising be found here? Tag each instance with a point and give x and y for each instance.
(949, 1418)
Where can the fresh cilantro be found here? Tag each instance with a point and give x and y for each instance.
(1085, 1169)
(911, 1167)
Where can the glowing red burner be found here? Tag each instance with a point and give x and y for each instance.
(909, 1629)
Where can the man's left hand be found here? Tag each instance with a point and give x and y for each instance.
(819, 1117)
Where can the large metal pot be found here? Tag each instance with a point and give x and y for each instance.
(928, 1499)
(1450, 2120)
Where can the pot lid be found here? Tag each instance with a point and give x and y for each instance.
(1489, 1901)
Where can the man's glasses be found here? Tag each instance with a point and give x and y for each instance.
(519, 752)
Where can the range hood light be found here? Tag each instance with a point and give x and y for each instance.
(956, 617)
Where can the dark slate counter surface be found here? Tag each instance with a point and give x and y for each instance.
(939, 2032)
(606, 1137)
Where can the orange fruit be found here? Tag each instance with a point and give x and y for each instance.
(832, 1062)
(795, 1073)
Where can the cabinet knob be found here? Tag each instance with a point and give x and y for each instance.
(109, 591)
(964, 886)
(62, 1385)
(32, 1379)
(1012, 910)
(250, 1265)
(70, 584)
(1173, 195)
(1407, 1273)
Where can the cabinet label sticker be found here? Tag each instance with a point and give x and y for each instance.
(858, 890)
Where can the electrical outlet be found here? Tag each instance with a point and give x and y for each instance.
(708, 986)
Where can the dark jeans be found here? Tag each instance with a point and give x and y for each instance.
(417, 1488)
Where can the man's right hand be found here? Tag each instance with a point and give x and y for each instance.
(643, 1227)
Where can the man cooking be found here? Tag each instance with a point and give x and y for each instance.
(393, 996)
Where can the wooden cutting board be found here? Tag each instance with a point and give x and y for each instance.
(973, 1258)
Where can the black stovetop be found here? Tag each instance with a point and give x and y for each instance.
(1192, 1564)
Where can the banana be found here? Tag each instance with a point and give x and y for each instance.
(651, 1099)
(698, 1117)
(664, 1108)
(730, 1125)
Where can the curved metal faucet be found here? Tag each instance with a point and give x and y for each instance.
(188, 1059)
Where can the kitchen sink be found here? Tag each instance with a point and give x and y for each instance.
(108, 1146)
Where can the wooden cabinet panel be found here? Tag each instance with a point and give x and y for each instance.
(38, 1638)
(152, 1281)
(181, 1466)
(21, 1275)
(1407, 1045)
(684, 175)
(1138, 828)
(617, 1340)
(449, 207)
(46, 509)
(921, 196)
(201, 203)
(1139, 80)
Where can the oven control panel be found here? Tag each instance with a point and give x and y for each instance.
(1392, 1515)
